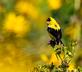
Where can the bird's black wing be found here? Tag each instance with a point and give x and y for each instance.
(56, 33)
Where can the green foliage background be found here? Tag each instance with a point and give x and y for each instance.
(28, 48)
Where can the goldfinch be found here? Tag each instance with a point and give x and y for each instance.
(54, 31)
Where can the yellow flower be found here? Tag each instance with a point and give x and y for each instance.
(73, 31)
(56, 61)
(53, 59)
(27, 8)
(44, 58)
(71, 66)
(9, 22)
(14, 60)
(54, 4)
(16, 24)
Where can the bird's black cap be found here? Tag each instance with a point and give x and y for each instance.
(48, 19)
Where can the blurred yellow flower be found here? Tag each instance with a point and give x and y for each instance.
(14, 60)
(54, 4)
(27, 9)
(44, 58)
(73, 31)
(16, 24)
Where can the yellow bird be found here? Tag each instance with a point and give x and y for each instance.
(54, 31)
